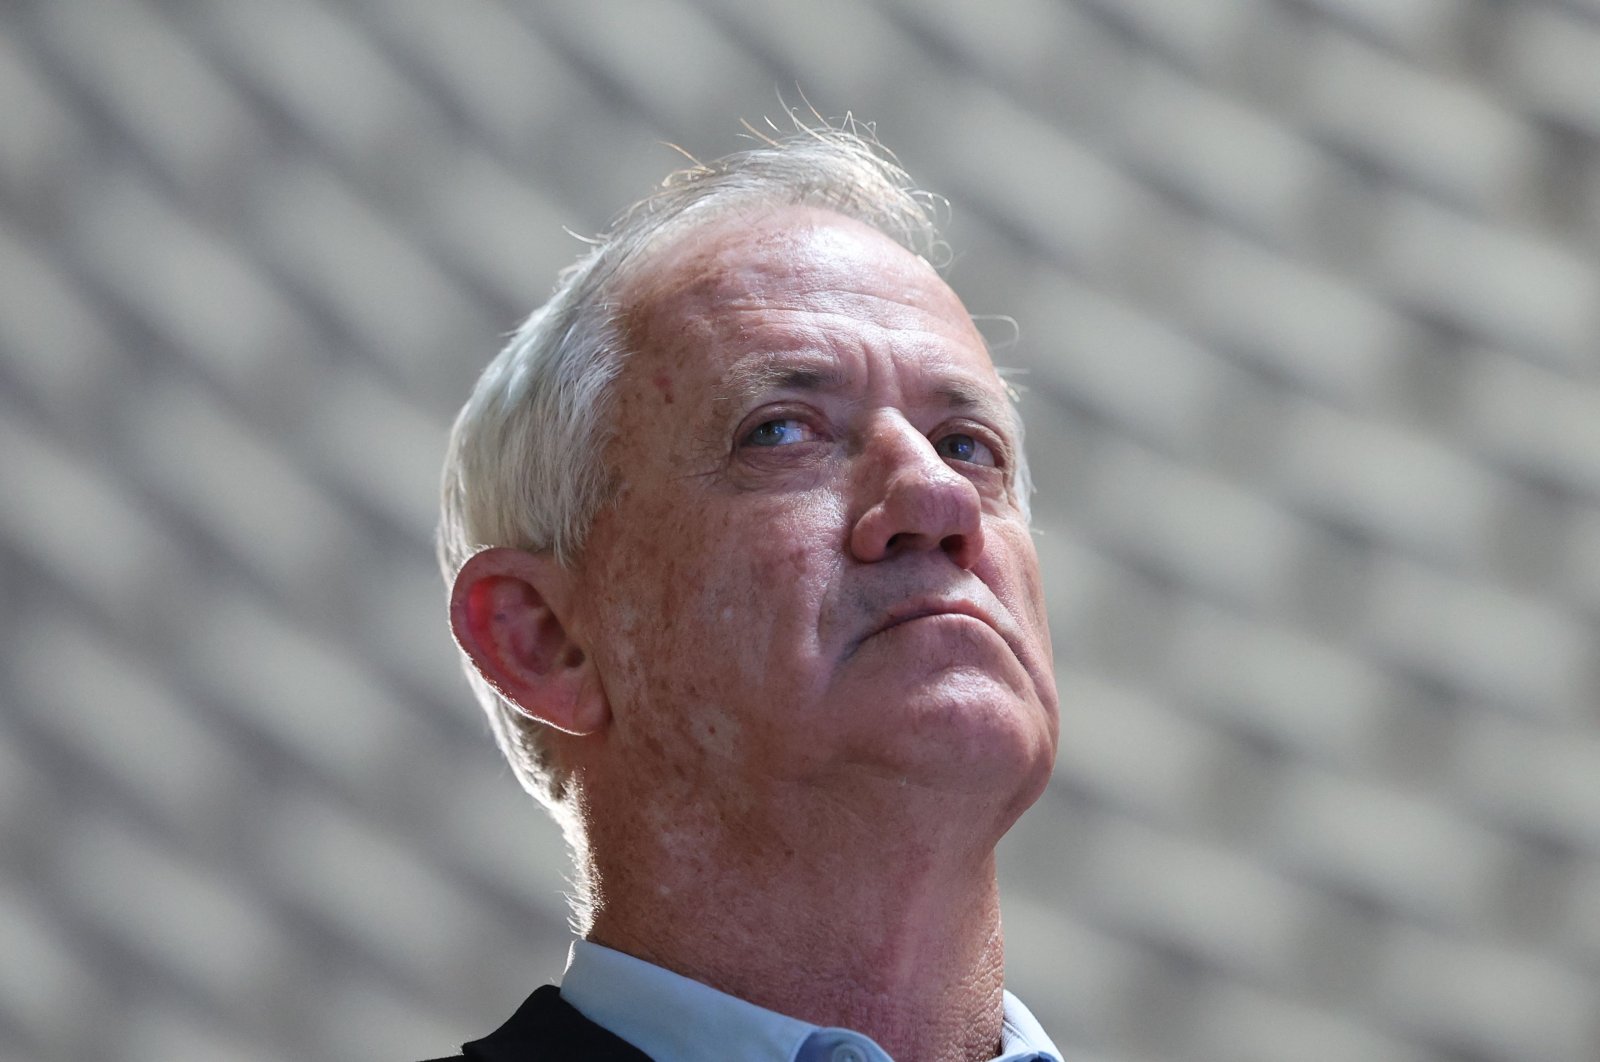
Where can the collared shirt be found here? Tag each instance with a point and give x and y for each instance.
(674, 1019)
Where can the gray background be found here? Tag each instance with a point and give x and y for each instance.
(1307, 292)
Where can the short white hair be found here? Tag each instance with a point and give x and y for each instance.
(525, 466)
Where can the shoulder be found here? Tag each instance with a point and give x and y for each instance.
(546, 1028)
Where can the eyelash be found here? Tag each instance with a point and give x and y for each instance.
(980, 435)
(776, 416)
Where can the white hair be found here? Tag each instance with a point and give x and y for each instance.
(525, 464)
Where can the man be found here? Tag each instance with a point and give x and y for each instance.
(737, 533)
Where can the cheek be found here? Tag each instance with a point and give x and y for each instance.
(761, 591)
(716, 614)
(1018, 584)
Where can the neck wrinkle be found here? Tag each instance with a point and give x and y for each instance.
(882, 927)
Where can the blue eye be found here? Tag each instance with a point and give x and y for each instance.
(959, 446)
(783, 432)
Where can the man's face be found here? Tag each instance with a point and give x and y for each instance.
(816, 569)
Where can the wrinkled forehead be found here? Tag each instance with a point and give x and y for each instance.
(750, 251)
(736, 280)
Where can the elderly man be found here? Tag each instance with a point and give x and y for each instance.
(737, 532)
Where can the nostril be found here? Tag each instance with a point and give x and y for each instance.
(956, 546)
(894, 542)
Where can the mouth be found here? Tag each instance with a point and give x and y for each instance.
(948, 663)
(911, 611)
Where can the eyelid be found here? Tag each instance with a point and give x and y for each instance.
(996, 441)
(778, 411)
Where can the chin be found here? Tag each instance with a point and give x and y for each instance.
(971, 734)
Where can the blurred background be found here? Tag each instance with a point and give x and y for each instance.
(1307, 296)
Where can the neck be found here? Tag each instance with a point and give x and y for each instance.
(872, 922)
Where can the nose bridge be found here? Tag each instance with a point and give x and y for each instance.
(911, 498)
(902, 450)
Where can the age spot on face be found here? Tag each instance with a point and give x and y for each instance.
(663, 383)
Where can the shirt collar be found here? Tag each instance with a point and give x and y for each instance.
(674, 1019)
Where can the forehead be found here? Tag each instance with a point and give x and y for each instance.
(798, 293)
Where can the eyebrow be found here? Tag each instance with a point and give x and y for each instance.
(747, 382)
(1000, 410)
(750, 380)
(962, 398)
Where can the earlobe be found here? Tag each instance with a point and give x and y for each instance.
(507, 610)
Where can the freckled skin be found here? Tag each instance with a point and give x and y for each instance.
(769, 740)
(690, 536)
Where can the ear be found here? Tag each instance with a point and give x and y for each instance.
(508, 610)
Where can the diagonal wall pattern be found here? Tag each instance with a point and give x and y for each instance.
(1309, 304)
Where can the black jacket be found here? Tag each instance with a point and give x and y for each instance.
(546, 1028)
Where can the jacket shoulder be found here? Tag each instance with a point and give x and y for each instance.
(546, 1028)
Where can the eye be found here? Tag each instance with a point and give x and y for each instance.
(784, 431)
(959, 446)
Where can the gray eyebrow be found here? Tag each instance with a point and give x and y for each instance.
(752, 379)
(962, 399)
(755, 377)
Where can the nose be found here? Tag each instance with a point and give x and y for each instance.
(914, 501)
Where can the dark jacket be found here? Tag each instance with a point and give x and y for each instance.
(547, 1029)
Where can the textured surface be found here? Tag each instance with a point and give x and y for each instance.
(1307, 292)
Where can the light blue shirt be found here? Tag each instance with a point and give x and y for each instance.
(673, 1019)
